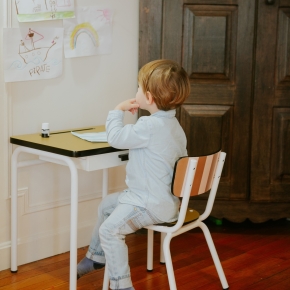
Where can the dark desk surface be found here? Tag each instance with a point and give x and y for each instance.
(64, 143)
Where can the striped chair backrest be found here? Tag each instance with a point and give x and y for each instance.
(204, 174)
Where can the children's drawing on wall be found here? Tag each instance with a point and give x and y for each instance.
(32, 54)
(37, 10)
(89, 33)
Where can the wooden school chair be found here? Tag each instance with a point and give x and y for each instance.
(192, 176)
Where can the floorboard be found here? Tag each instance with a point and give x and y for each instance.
(253, 256)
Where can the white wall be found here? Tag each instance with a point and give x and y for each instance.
(88, 88)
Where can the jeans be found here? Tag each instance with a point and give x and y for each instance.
(115, 221)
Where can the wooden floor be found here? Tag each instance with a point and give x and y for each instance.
(254, 256)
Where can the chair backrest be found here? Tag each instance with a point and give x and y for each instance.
(204, 174)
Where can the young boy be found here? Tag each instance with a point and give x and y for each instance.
(155, 143)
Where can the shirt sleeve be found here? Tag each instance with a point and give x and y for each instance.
(126, 136)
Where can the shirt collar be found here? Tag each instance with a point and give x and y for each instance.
(165, 114)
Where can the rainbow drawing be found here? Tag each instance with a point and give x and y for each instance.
(87, 28)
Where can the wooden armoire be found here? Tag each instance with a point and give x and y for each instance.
(237, 54)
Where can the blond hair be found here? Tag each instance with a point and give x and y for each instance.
(167, 82)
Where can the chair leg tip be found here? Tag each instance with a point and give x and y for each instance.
(226, 288)
(13, 271)
(162, 263)
(149, 270)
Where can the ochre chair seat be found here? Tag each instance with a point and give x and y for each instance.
(191, 215)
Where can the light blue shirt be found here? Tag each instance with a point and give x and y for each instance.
(155, 143)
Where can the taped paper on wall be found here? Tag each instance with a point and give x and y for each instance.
(32, 54)
(37, 10)
(89, 33)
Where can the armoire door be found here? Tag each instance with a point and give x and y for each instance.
(237, 54)
(270, 163)
(213, 41)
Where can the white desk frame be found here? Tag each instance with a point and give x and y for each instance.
(90, 163)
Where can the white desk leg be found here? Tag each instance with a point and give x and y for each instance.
(105, 182)
(74, 209)
(14, 213)
(73, 224)
(104, 194)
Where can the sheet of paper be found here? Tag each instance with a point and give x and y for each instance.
(37, 10)
(89, 33)
(32, 54)
(92, 137)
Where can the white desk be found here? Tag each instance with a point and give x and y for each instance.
(66, 149)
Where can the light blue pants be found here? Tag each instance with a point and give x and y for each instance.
(115, 221)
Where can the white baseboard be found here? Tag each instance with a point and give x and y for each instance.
(50, 243)
(43, 246)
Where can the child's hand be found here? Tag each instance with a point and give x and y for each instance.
(128, 105)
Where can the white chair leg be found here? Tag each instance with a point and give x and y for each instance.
(214, 255)
(150, 240)
(162, 260)
(168, 262)
(106, 279)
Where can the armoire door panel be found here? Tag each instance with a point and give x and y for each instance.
(203, 93)
(280, 157)
(209, 42)
(210, 125)
(282, 69)
(283, 48)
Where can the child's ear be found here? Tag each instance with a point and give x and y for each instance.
(149, 98)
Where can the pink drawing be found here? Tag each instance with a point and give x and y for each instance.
(29, 54)
(33, 36)
(106, 14)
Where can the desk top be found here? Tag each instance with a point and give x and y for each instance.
(64, 143)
